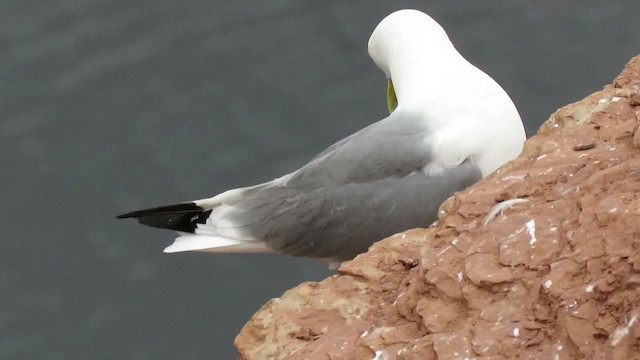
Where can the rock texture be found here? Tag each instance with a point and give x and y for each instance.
(541, 260)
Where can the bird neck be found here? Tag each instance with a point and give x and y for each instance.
(416, 72)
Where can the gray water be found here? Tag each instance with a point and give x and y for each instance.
(108, 106)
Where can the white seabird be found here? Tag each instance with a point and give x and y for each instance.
(450, 125)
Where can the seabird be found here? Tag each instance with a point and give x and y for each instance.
(450, 124)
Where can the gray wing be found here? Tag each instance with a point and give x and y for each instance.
(360, 190)
(343, 221)
(393, 147)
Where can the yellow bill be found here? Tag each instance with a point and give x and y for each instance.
(392, 100)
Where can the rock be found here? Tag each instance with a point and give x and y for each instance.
(554, 275)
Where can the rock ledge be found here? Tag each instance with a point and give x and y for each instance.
(552, 274)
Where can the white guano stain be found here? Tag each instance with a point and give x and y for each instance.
(621, 332)
(378, 355)
(531, 229)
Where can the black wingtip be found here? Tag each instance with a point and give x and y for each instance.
(163, 210)
(179, 217)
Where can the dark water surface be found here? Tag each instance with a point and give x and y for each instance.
(108, 106)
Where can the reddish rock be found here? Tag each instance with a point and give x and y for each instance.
(555, 275)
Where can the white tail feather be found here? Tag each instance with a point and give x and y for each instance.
(215, 244)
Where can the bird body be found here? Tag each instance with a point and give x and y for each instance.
(453, 124)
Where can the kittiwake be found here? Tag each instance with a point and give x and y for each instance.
(450, 124)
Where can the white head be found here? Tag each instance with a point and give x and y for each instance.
(406, 35)
(411, 48)
(432, 79)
